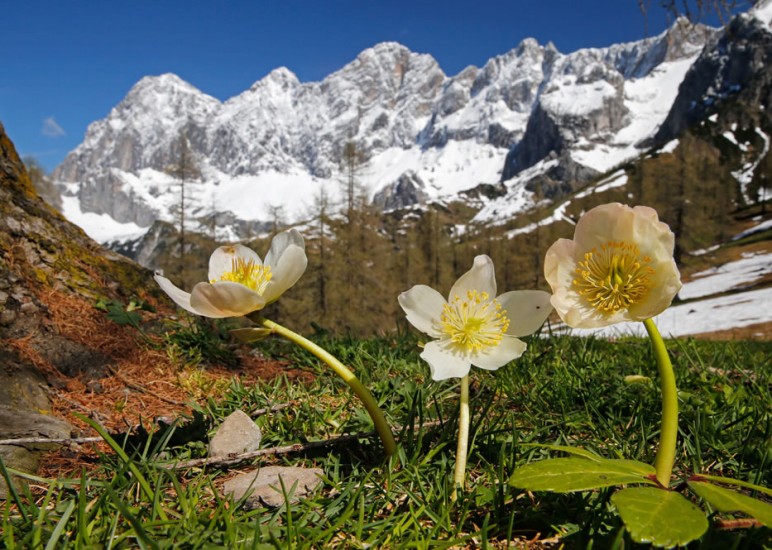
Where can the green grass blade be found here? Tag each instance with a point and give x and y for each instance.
(143, 539)
(117, 449)
(60, 527)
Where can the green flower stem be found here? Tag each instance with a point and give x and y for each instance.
(663, 463)
(381, 426)
(462, 448)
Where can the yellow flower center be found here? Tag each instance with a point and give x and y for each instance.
(248, 273)
(476, 322)
(613, 277)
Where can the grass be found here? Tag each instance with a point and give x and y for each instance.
(562, 391)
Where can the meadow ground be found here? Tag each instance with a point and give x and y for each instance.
(564, 390)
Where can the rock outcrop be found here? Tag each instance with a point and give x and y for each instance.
(50, 274)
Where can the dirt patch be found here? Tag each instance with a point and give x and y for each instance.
(122, 379)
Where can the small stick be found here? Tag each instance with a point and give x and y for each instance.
(140, 388)
(271, 451)
(259, 412)
(60, 440)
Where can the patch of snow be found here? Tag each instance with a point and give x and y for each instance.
(745, 175)
(648, 101)
(669, 147)
(703, 251)
(446, 171)
(617, 179)
(730, 137)
(763, 226)
(763, 12)
(722, 313)
(732, 275)
(100, 227)
(576, 99)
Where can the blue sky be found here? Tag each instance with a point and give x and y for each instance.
(66, 63)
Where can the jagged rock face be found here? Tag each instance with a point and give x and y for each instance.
(532, 102)
(406, 191)
(740, 56)
(584, 103)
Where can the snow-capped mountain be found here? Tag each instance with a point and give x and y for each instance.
(539, 121)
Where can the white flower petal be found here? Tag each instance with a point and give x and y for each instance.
(480, 278)
(224, 299)
(446, 360)
(423, 307)
(179, 296)
(282, 242)
(509, 349)
(221, 260)
(289, 267)
(526, 310)
(615, 228)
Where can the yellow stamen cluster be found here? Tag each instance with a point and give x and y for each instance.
(248, 273)
(476, 322)
(613, 277)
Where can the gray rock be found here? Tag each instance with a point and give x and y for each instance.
(268, 486)
(20, 423)
(237, 434)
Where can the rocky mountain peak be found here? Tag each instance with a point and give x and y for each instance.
(282, 78)
(580, 113)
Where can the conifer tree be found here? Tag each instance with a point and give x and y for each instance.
(185, 170)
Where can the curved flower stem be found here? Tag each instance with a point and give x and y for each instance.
(663, 463)
(462, 448)
(381, 426)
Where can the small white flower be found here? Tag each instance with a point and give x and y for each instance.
(239, 282)
(618, 267)
(473, 326)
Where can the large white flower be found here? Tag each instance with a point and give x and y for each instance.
(473, 326)
(239, 282)
(618, 267)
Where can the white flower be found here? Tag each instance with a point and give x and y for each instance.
(239, 282)
(619, 267)
(473, 326)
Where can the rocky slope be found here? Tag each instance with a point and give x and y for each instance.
(422, 134)
(51, 275)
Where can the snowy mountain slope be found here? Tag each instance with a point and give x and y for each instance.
(659, 104)
(279, 144)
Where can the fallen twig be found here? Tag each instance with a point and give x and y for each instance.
(259, 412)
(285, 449)
(142, 389)
(58, 440)
(271, 451)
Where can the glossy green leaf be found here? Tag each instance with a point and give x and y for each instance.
(732, 481)
(727, 500)
(658, 516)
(564, 475)
(577, 451)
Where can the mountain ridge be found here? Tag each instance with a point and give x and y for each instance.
(560, 119)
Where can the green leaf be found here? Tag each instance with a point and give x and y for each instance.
(564, 475)
(732, 481)
(118, 315)
(658, 516)
(577, 451)
(727, 500)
